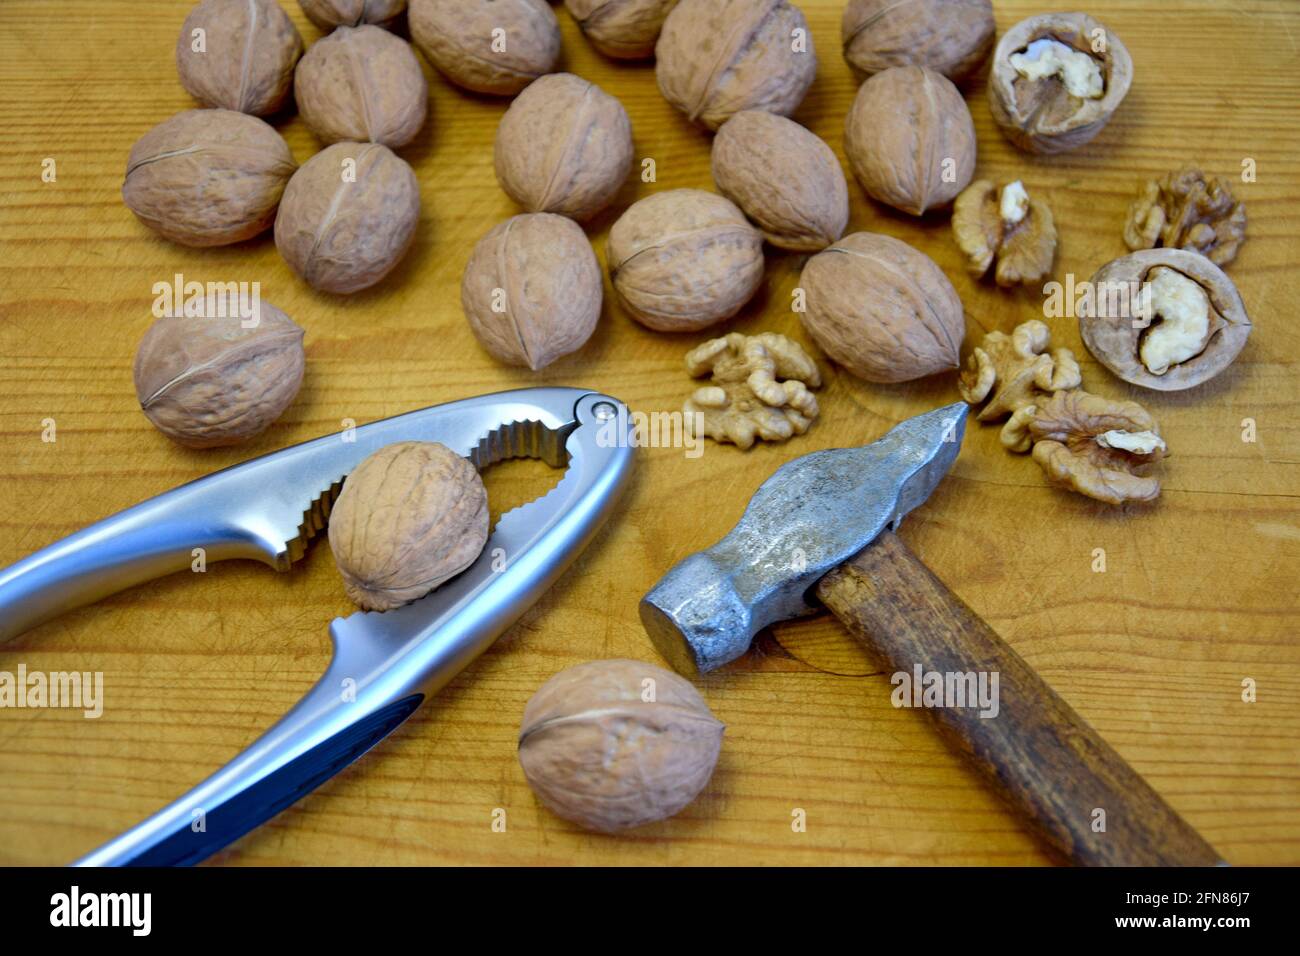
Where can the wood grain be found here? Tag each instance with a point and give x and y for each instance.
(1198, 594)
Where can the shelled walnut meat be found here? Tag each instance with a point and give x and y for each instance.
(328, 14)
(1188, 210)
(1165, 319)
(348, 217)
(563, 146)
(715, 58)
(488, 46)
(208, 177)
(745, 401)
(1006, 225)
(219, 377)
(952, 37)
(787, 181)
(238, 55)
(910, 139)
(362, 85)
(684, 259)
(616, 744)
(410, 517)
(882, 309)
(1055, 81)
(623, 29)
(532, 290)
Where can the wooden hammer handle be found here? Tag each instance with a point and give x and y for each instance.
(1037, 752)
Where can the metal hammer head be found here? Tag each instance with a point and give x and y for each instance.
(811, 516)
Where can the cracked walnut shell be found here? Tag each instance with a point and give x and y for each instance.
(362, 85)
(952, 37)
(623, 29)
(247, 53)
(488, 46)
(1044, 104)
(328, 14)
(615, 744)
(715, 58)
(532, 290)
(745, 401)
(1007, 226)
(563, 146)
(1188, 210)
(410, 517)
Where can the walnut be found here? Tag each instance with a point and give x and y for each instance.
(247, 51)
(348, 217)
(910, 139)
(208, 177)
(952, 37)
(784, 177)
(1165, 319)
(1012, 371)
(563, 146)
(1095, 445)
(219, 374)
(532, 290)
(1004, 224)
(411, 516)
(624, 29)
(362, 84)
(883, 310)
(615, 744)
(745, 401)
(328, 14)
(489, 46)
(718, 57)
(684, 259)
(1187, 210)
(1056, 80)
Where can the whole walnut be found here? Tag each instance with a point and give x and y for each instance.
(348, 217)
(910, 139)
(784, 177)
(718, 57)
(362, 85)
(624, 29)
(208, 177)
(328, 14)
(219, 377)
(238, 55)
(410, 517)
(615, 744)
(952, 37)
(532, 289)
(684, 259)
(489, 46)
(883, 310)
(563, 146)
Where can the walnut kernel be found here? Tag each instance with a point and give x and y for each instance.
(1188, 210)
(1007, 226)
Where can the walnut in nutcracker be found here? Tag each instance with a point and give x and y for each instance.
(488, 46)
(882, 309)
(410, 517)
(717, 57)
(348, 217)
(218, 374)
(362, 85)
(910, 139)
(532, 290)
(1055, 81)
(952, 37)
(328, 14)
(208, 177)
(1188, 210)
(563, 146)
(238, 55)
(684, 259)
(1006, 225)
(787, 181)
(623, 29)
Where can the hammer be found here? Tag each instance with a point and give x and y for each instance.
(820, 532)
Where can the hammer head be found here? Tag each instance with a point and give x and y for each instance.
(811, 516)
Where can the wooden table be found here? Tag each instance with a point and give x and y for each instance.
(1199, 592)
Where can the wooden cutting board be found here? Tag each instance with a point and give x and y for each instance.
(1199, 591)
